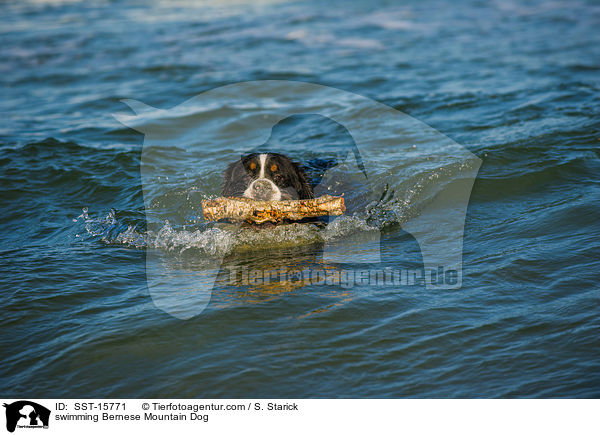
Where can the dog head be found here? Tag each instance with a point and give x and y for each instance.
(266, 177)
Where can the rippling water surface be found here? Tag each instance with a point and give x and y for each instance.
(514, 83)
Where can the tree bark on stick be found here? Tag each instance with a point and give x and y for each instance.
(258, 212)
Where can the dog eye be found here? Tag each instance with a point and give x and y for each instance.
(252, 166)
(273, 167)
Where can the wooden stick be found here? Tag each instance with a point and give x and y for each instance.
(250, 210)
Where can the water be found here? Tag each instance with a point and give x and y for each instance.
(515, 84)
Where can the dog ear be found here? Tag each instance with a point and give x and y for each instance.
(232, 169)
(301, 183)
(229, 176)
(235, 179)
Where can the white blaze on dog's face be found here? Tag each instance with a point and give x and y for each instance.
(266, 177)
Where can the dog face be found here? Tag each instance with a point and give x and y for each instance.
(266, 177)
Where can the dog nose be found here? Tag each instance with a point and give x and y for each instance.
(262, 190)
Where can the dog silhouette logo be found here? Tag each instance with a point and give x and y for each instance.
(406, 173)
(26, 414)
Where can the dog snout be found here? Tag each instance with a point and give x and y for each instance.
(262, 190)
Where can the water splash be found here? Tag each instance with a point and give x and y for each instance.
(217, 240)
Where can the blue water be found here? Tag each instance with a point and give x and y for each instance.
(516, 84)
